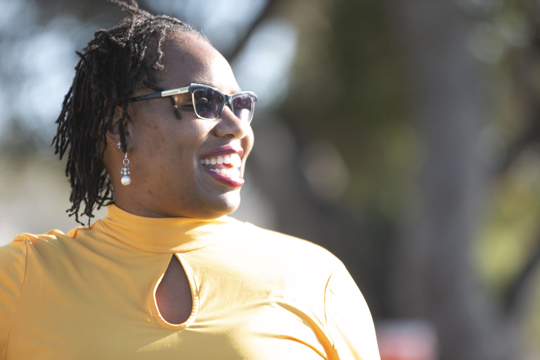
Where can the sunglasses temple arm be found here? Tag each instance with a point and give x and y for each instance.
(179, 91)
(166, 93)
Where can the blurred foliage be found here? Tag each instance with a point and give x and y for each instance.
(510, 234)
(348, 89)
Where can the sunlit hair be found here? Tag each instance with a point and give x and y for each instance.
(112, 66)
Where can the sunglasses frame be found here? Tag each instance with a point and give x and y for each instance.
(227, 99)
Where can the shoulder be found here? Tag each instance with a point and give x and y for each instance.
(13, 263)
(13, 257)
(280, 241)
(51, 239)
(48, 245)
(19, 257)
(284, 248)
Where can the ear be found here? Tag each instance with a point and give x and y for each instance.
(113, 132)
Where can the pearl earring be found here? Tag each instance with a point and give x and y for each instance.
(126, 180)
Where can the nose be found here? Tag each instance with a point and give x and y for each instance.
(230, 125)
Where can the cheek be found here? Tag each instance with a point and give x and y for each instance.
(180, 151)
(168, 147)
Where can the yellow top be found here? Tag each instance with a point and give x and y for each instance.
(256, 294)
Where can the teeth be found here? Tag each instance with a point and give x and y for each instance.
(235, 160)
(233, 173)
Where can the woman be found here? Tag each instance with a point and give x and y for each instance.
(156, 119)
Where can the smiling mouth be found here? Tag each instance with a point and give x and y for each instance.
(224, 167)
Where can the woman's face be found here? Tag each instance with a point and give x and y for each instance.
(168, 155)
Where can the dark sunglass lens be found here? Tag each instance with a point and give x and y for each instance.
(243, 107)
(208, 103)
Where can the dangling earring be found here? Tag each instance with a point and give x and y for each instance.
(119, 144)
(177, 112)
(126, 180)
(175, 109)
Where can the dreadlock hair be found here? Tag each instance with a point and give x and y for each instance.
(111, 67)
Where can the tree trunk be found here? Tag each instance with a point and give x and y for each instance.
(434, 277)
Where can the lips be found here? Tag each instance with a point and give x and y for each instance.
(224, 164)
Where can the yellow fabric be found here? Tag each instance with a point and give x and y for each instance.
(256, 294)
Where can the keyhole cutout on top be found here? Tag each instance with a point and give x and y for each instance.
(173, 295)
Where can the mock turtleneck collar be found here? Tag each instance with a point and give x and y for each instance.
(167, 235)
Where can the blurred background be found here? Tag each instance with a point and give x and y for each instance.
(402, 135)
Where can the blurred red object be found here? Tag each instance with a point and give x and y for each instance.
(407, 340)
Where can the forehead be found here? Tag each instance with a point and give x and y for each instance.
(188, 59)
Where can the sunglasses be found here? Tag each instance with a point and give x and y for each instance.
(209, 102)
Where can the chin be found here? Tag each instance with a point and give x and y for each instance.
(216, 207)
(228, 203)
